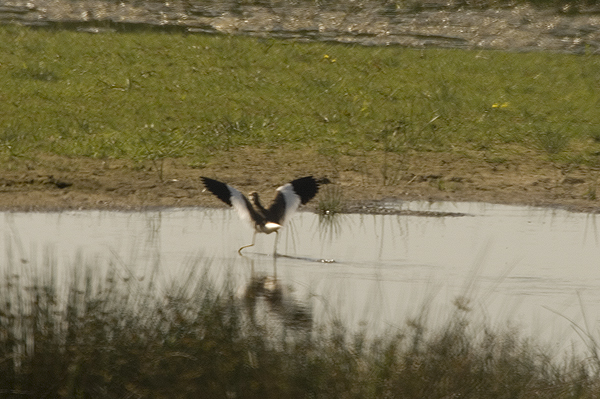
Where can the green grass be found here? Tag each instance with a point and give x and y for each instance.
(144, 96)
(89, 336)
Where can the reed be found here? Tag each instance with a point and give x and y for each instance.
(109, 337)
(331, 201)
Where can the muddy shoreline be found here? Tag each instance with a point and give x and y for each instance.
(56, 183)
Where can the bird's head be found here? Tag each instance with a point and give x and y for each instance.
(254, 197)
(256, 202)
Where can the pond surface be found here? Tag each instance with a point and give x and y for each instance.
(535, 268)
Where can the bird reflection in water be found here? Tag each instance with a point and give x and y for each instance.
(267, 293)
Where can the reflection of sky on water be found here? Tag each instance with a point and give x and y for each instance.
(538, 268)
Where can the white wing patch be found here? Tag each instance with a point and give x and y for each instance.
(292, 201)
(238, 202)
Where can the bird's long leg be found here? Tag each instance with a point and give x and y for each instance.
(249, 245)
(275, 247)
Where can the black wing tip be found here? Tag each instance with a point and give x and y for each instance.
(207, 181)
(219, 189)
(306, 187)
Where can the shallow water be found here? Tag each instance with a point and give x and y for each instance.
(531, 267)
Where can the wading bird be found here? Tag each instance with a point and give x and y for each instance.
(266, 220)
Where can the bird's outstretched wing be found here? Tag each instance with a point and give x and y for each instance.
(231, 197)
(290, 196)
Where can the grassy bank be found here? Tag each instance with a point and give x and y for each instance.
(150, 95)
(110, 338)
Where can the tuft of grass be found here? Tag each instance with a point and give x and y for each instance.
(590, 193)
(36, 72)
(331, 201)
(553, 141)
